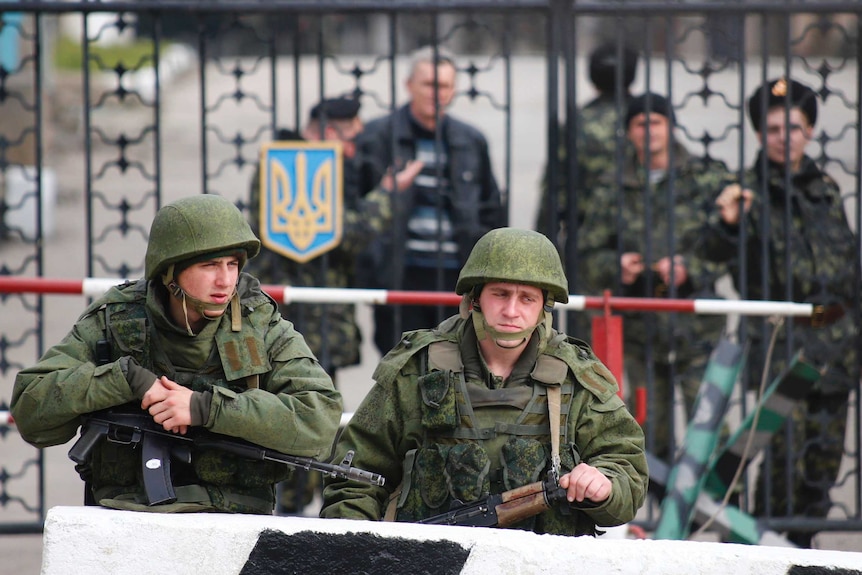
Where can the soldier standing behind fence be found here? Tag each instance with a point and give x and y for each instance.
(597, 134)
(641, 242)
(808, 237)
(335, 119)
(333, 332)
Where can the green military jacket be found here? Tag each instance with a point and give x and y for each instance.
(294, 408)
(806, 226)
(657, 219)
(404, 415)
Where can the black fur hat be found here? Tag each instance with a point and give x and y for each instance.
(801, 96)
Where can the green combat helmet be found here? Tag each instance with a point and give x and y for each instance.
(189, 230)
(514, 256)
(195, 226)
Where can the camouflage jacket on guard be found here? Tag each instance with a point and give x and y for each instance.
(640, 221)
(596, 155)
(448, 432)
(295, 409)
(823, 256)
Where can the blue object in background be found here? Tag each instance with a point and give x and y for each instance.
(9, 36)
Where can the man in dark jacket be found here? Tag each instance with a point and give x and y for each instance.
(451, 202)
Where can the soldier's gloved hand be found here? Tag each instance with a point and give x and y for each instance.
(140, 379)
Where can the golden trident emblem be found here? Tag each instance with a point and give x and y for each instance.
(302, 202)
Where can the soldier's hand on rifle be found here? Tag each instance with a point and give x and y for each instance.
(170, 405)
(586, 482)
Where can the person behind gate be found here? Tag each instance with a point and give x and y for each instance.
(194, 343)
(467, 409)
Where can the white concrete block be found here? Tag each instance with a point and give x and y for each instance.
(91, 540)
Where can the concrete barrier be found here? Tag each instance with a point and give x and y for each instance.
(91, 540)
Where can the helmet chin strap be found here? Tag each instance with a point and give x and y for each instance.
(483, 330)
(196, 304)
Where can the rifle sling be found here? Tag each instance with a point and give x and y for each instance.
(554, 400)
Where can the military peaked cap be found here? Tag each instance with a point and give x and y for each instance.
(336, 109)
(778, 91)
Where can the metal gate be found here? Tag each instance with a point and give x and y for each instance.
(110, 109)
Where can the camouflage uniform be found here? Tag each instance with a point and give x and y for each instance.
(597, 148)
(680, 344)
(443, 427)
(291, 407)
(330, 330)
(823, 255)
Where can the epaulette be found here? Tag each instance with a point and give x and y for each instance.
(591, 373)
(411, 343)
(116, 294)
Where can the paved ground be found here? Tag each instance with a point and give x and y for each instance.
(21, 555)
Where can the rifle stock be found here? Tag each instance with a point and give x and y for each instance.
(503, 509)
(158, 446)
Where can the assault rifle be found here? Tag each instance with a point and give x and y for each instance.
(158, 446)
(504, 509)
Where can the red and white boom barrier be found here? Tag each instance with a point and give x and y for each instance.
(607, 329)
(94, 287)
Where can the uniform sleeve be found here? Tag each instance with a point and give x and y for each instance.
(609, 439)
(597, 243)
(295, 410)
(692, 215)
(371, 216)
(49, 398)
(385, 426)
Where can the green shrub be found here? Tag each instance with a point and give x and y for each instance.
(69, 54)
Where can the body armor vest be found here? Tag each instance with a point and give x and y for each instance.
(480, 441)
(231, 482)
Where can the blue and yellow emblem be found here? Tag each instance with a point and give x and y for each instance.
(301, 198)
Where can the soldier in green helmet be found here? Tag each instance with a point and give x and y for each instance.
(194, 343)
(465, 410)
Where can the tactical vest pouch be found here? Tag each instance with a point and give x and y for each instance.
(130, 337)
(438, 398)
(417, 463)
(523, 461)
(467, 467)
(223, 469)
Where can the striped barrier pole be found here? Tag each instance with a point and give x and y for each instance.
(94, 287)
